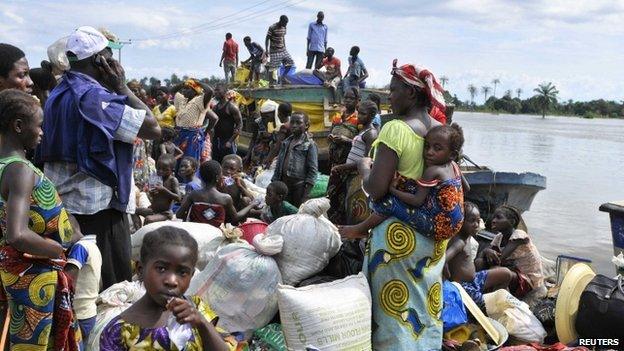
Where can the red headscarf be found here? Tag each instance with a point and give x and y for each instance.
(422, 78)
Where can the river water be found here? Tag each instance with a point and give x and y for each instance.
(582, 160)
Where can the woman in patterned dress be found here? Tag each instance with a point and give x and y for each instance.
(404, 267)
(36, 229)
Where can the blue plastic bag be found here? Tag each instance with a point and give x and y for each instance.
(453, 311)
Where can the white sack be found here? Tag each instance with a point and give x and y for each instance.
(330, 316)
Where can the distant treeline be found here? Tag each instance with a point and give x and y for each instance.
(533, 105)
(506, 104)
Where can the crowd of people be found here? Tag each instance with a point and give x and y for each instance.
(110, 157)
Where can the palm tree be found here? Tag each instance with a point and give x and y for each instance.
(496, 81)
(546, 94)
(444, 80)
(485, 91)
(473, 92)
(519, 92)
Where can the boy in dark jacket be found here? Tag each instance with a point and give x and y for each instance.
(297, 161)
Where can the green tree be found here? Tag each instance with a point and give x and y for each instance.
(496, 82)
(547, 95)
(473, 92)
(444, 80)
(153, 81)
(519, 92)
(175, 80)
(485, 91)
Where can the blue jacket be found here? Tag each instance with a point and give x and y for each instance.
(302, 161)
(79, 125)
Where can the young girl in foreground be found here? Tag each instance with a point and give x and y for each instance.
(434, 203)
(165, 319)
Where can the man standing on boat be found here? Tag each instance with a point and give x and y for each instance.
(256, 53)
(317, 42)
(277, 50)
(229, 57)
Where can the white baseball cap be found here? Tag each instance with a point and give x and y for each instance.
(85, 42)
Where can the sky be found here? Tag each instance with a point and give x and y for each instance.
(577, 45)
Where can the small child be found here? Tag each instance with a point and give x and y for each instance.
(209, 205)
(187, 174)
(164, 318)
(297, 161)
(84, 265)
(164, 194)
(232, 182)
(513, 248)
(167, 147)
(433, 204)
(460, 256)
(377, 100)
(364, 140)
(281, 132)
(276, 205)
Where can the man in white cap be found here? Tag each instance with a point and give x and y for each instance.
(91, 122)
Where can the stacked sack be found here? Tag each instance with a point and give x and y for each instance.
(240, 285)
(111, 302)
(209, 239)
(308, 241)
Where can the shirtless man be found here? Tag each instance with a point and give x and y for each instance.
(228, 126)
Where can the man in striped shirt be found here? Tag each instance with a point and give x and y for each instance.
(277, 50)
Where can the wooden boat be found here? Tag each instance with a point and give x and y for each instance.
(490, 189)
(317, 101)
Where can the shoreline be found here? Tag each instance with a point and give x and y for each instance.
(532, 114)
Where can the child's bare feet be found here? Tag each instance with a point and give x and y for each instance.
(351, 232)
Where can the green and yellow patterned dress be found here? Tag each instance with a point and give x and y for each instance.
(31, 285)
(404, 267)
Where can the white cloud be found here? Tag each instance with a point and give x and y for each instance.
(11, 15)
(577, 45)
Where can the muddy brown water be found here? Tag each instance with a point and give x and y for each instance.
(583, 161)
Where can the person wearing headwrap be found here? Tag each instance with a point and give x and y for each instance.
(193, 118)
(260, 144)
(423, 79)
(403, 266)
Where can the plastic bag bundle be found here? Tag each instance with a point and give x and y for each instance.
(329, 316)
(241, 287)
(310, 240)
(111, 302)
(57, 56)
(208, 238)
(263, 179)
(515, 316)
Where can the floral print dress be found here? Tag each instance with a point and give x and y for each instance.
(121, 335)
